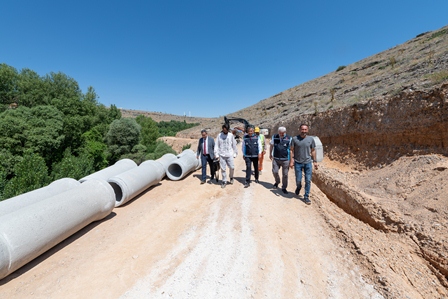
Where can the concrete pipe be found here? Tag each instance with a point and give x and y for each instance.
(131, 183)
(319, 149)
(166, 160)
(14, 203)
(108, 172)
(30, 231)
(186, 162)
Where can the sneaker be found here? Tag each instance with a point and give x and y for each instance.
(202, 182)
(285, 191)
(231, 181)
(297, 191)
(246, 184)
(223, 185)
(256, 181)
(275, 186)
(307, 201)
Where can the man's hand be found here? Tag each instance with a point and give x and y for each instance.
(316, 166)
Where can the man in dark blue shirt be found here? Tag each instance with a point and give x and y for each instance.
(251, 149)
(280, 156)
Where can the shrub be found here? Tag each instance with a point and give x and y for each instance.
(340, 68)
(438, 33)
(439, 77)
(31, 173)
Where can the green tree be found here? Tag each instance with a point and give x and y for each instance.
(29, 174)
(38, 129)
(72, 167)
(94, 147)
(161, 149)
(45, 131)
(13, 129)
(173, 126)
(114, 112)
(31, 89)
(149, 133)
(7, 163)
(122, 136)
(8, 86)
(138, 154)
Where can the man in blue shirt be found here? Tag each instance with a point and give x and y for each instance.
(251, 149)
(280, 156)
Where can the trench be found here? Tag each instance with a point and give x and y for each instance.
(361, 208)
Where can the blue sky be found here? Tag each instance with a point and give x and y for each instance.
(203, 58)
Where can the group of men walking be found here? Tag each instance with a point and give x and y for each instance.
(285, 152)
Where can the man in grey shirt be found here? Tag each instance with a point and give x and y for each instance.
(303, 155)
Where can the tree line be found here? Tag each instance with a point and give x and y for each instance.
(50, 129)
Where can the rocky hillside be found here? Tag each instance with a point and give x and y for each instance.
(418, 66)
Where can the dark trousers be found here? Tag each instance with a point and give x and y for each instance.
(204, 160)
(249, 162)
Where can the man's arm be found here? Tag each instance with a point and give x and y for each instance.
(313, 156)
(291, 154)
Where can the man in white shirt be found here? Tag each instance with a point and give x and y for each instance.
(226, 151)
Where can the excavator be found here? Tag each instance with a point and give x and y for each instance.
(237, 126)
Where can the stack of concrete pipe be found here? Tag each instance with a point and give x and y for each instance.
(185, 163)
(31, 230)
(34, 222)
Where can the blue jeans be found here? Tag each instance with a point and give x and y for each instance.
(308, 170)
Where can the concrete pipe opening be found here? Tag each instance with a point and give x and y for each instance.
(118, 192)
(175, 170)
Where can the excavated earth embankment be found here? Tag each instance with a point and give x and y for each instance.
(386, 166)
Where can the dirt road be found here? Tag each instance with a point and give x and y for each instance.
(181, 239)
